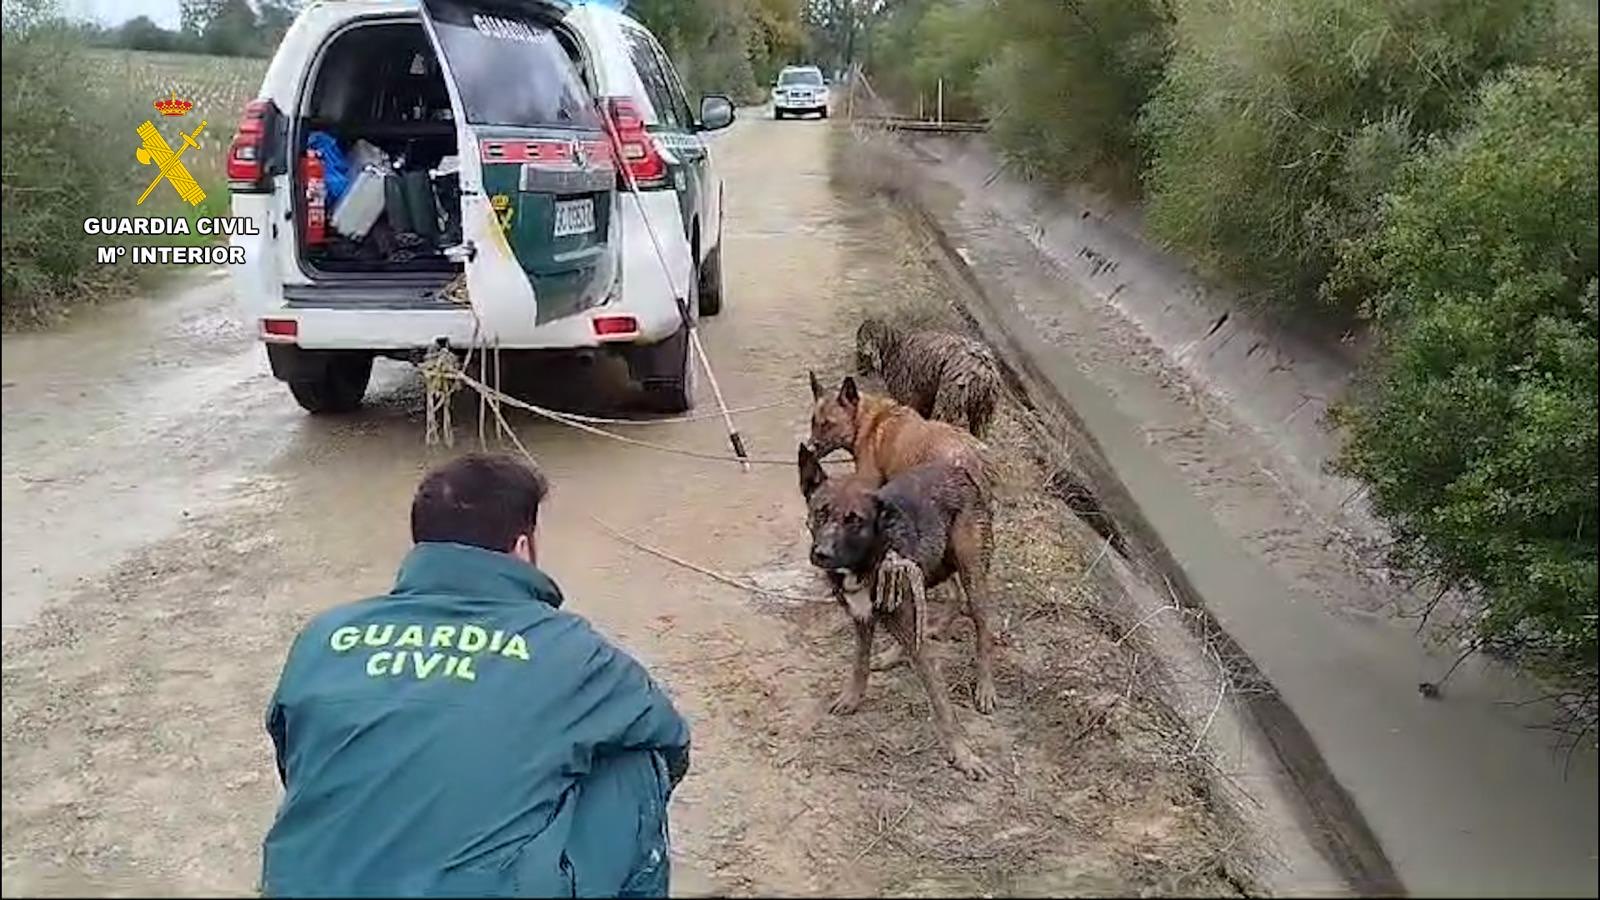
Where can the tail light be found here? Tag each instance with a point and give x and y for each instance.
(615, 326)
(634, 144)
(247, 157)
(280, 330)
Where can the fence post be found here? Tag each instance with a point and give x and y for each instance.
(941, 101)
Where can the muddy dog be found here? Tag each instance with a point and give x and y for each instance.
(949, 377)
(886, 437)
(903, 538)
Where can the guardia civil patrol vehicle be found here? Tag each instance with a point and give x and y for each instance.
(452, 172)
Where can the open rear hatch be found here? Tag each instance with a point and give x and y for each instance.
(467, 145)
(537, 178)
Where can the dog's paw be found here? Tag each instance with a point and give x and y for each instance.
(983, 698)
(889, 658)
(846, 703)
(969, 763)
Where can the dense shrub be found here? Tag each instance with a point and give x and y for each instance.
(925, 44)
(54, 117)
(1477, 429)
(1279, 122)
(1061, 81)
(1067, 81)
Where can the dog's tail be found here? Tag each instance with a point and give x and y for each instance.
(900, 581)
(982, 395)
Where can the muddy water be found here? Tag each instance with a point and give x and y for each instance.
(1464, 794)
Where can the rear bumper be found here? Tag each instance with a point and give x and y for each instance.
(399, 330)
(408, 321)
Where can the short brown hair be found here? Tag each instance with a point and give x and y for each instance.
(480, 499)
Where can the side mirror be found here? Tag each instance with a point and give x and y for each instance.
(716, 112)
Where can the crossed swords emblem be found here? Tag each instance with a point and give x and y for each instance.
(168, 164)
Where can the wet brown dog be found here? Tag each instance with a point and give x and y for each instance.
(903, 538)
(949, 377)
(886, 437)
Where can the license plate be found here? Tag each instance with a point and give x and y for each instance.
(574, 217)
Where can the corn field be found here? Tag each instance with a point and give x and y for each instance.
(218, 86)
(69, 142)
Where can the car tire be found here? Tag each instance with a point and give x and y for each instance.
(777, 114)
(823, 113)
(337, 388)
(711, 282)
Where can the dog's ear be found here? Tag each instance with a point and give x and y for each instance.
(816, 386)
(848, 394)
(811, 473)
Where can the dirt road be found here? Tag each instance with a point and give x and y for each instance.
(171, 519)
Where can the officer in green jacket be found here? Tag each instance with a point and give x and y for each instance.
(463, 736)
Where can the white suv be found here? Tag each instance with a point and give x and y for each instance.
(400, 150)
(799, 90)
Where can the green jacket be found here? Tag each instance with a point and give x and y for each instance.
(463, 736)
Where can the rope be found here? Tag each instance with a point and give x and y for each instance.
(673, 420)
(741, 583)
(439, 368)
(567, 419)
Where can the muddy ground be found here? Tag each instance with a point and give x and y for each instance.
(171, 519)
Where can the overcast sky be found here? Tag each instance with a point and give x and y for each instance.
(115, 12)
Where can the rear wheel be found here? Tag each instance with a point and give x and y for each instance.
(665, 371)
(336, 387)
(711, 282)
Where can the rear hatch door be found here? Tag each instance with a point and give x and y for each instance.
(538, 180)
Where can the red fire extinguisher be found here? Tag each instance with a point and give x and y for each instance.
(311, 175)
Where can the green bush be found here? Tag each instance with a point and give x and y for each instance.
(1061, 81)
(54, 121)
(1477, 428)
(1067, 81)
(924, 44)
(1279, 122)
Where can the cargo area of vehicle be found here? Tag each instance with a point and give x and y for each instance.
(376, 141)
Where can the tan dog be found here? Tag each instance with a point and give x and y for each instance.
(887, 438)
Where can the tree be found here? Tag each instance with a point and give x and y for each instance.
(275, 17)
(230, 30)
(195, 15)
(142, 33)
